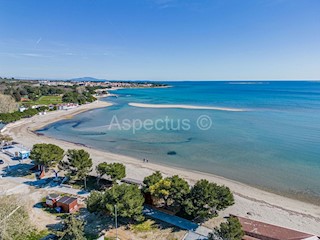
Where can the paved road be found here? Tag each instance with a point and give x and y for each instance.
(196, 232)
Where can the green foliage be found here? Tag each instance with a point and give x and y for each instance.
(230, 230)
(171, 190)
(16, 95)
(47, 100)
(36, 235)
(101, 170)
(78, 164)
(91, 236)
(15, 116)
(224, 196)
(77, 97)
(206, 198)
(161, 190)
(47, 155)
(73, 229)
(29, 90)
(178, 191)
(127, 198)
(146, 226)
(201, 202)
(116, 171)
(95, 201)
(110, 238)
(151, 180)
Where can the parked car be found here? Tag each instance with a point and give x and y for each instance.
(1, 161)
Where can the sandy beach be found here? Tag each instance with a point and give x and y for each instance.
(144, 105)
(250, 202)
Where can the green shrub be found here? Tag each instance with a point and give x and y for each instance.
(145, 226)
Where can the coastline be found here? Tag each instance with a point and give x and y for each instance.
(262, 206)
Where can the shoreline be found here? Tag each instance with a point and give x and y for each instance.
(262, 205)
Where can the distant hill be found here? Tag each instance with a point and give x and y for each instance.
(87, 79)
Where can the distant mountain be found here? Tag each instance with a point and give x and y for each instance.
(87, 79)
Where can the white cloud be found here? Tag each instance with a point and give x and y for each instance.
(32, 55)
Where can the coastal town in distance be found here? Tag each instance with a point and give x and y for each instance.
(160, 120)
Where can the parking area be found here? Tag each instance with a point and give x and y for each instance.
(8, 163)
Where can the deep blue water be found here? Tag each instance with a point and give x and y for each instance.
(274, 144)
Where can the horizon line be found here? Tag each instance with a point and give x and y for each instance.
(152, 80)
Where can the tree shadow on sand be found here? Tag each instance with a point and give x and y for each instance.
(18, 170)
(96, 223)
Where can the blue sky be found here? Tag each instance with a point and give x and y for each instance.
(160, 39)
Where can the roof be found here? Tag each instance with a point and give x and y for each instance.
(24, 152)
(53, 196)
(67, 200)
(15, 148)
(257, 230)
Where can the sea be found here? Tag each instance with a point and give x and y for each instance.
(265, 134)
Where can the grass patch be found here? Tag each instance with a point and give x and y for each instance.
(46, 100)
(35, 235)
(146, 226)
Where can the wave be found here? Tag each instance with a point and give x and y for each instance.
(145, 105)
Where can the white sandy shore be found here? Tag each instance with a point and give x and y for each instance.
(145, 105)
(262, 205)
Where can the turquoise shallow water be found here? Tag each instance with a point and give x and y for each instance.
(274, 145)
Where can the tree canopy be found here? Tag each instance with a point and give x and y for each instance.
(47, 155)
(230, 230)
(127, 198)
(95, 201)
(78, 165)
(17, 115)
(116, 171)
(101, 170)
(73, 229)
(78, 97)
(151, 180)
(206, 198)
(171, 190)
